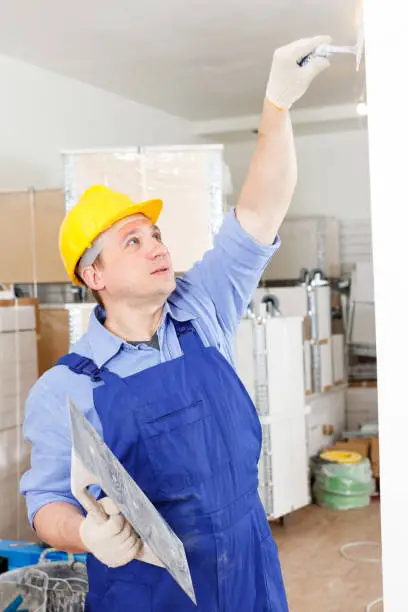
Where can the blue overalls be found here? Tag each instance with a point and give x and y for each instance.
(187, 431)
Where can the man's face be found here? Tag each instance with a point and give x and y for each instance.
(135, 264)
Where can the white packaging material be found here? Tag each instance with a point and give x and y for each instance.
(307, 242)
(8, 505)
(13, 318)
(308, 367)
(339, 374)
(326, 365)
(322, 367)
(189, 180)
(362, 283)
(16, 379)
(283, 466)
(12, 408)
(362, 406)
(6, 294)
(78, 317)
(18, 373)
(363, 324)
(285, 366)
(10, 441)
(320, 305)
(14, 460)
(271, 355)
(326, 419)
(11, 411)
(21, 346)
(292, 300)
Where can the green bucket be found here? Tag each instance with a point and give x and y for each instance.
(342, 486)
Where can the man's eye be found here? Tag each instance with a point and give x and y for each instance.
(132, 241)
(157, 236)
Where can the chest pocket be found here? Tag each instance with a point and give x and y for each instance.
(183, 441)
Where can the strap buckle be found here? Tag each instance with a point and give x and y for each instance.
(89, 368)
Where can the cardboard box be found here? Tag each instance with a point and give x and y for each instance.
(375, 457)
(356, 445)
(25, 302)
(17, 318)
(18, 346)
(29, 226)
(307, 331)
(53, 341)
(363, 384)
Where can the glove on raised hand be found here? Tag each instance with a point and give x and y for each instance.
(287, 80)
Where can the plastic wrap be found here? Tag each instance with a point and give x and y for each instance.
(18, 372)
(78, 316)
(47, 587)
(344, 486)
(189, 179)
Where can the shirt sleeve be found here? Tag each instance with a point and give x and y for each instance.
(231, 270)
(47, 429)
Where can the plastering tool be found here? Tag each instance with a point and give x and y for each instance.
(327, 50)
(93, 463)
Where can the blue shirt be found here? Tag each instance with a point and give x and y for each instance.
(214, 294)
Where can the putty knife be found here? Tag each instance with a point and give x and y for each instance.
(94, 463)
(327, 50)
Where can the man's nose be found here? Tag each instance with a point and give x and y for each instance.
(156, 249)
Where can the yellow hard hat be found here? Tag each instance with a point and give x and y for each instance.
(98, 209)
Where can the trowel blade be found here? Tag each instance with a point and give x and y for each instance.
(114, 480)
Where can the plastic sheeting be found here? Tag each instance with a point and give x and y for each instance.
(191, 180)
(344, 486)
(47, 587)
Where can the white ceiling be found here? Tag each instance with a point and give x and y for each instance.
(198, 59)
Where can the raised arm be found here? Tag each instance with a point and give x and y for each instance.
(229, 273)
(272, 175)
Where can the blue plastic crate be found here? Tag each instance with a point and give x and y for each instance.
(21, 554)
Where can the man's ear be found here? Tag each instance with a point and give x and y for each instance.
(93, 278)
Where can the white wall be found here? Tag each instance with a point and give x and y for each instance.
(42, 113)
(333, 173)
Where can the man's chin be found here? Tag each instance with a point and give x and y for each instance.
(171, 285)
(167, 286)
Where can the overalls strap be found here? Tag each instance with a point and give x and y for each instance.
(188, 337)
(81, 365)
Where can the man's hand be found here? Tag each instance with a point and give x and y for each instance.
(114, 542)
(288, 81)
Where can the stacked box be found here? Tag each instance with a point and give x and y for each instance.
(18, 372)
(189, 179)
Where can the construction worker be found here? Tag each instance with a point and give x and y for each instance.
(154, 375)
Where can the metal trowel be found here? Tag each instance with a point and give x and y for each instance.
(327, 50)
(93, 463)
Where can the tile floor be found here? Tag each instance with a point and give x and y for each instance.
(317, 577)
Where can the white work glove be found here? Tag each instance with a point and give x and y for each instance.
(114, 543)
(288, 81)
